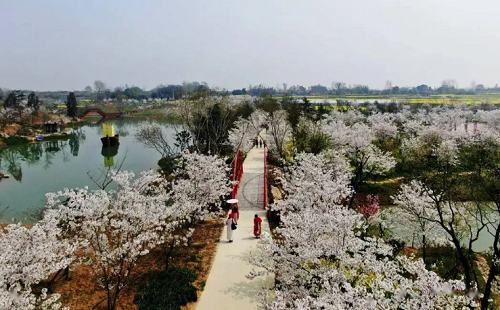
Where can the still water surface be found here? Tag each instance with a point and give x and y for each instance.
(54, 165)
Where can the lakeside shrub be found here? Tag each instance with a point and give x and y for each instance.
(15, 140)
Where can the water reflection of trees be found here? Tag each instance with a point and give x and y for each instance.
(74, 141)
(123, 127)
(12, 157)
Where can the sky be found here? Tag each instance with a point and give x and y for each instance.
(66, 45)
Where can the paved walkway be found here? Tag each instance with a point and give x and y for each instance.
(227, 286)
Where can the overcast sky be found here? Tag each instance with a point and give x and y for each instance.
(67, 44)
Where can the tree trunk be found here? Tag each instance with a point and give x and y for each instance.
(110, 305)
(465, 265)
(424, 251)
(487, 289)
(51, 282)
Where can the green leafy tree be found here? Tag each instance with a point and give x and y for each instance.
(268, 103)
(71, 105)
(134, 92)
(245, 109)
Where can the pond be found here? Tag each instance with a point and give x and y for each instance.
(483, 243)
(51, 166)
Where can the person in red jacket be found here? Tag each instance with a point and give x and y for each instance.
(257, 226)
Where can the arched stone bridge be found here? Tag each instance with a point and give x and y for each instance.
(101, 113)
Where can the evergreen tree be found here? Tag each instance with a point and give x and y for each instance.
(33, 102)
(308, 108)
(293, 108)
(71, 105)
(10, 101)
(13, 100)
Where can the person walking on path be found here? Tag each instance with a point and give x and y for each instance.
(235, 211)
(257, 226)
(230, 227)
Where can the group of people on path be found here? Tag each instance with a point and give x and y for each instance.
(257, 142)
(234, 216)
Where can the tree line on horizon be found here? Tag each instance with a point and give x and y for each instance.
(101, 91)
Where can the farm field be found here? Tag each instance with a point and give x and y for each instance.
(488, 98)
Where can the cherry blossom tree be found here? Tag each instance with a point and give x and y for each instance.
(202, 181)
(240, 137)
(8, 116)
(410, 216)
(366, 159)
(28, 257)
(116, 228)
(383, 125)
(246, 130)
(447, 164)
(321, 261)
(19, 298)
(110, 229)
(195, 194)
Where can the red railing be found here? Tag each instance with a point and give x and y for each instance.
(265, 178)
(237, 173)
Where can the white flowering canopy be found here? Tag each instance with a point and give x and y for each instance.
(321, 260)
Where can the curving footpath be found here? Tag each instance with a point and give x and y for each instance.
(227, 286)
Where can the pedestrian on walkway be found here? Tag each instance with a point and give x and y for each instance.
(260, 143)
(230, 227)
(257, 226)
(235, 211)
